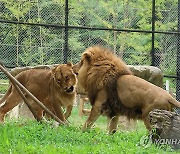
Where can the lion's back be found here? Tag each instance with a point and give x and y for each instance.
(37, 81)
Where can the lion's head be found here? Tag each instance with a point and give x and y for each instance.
(64, 77)
(97, 68)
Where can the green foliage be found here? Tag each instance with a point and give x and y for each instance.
(16, 10)
(19, 137)
(3, 86)
(37, 58)
(33, 45)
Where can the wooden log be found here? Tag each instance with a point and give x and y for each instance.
(25, 100)
(166, 126)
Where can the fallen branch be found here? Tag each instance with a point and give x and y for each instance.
(25, 100)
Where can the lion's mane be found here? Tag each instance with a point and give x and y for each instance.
(104, 70)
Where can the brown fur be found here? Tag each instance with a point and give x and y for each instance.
(104, 69)
(114, 91)
(55, 88)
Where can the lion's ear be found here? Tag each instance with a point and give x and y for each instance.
(69, 64)
(87, 56)
(53, 70)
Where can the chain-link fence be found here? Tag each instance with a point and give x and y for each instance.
(36, 32)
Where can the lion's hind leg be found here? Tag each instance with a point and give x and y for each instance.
(112, 125)
(12, 100)
(6, 95)
(145, 112)
(147, 123)
(145, 118)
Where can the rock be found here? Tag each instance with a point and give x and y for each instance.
(148, 73)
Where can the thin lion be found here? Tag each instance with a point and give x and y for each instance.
(55, 88)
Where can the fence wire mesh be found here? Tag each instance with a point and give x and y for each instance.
(42, 41)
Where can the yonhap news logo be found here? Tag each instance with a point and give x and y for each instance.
(147, 141)
(167, 141)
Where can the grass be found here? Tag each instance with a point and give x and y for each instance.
(3, 88)
(31, 137)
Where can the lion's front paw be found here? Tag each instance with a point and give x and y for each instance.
(84, 129)
(111, 132)
(87, 126)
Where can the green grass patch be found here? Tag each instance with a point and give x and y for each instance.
(31, 137)
(3, 86)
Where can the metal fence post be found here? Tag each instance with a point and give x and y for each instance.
(66, 46)
(153, 29)
(178, 57)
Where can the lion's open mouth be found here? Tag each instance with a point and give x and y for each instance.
(71, 89)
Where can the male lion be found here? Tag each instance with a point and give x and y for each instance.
(55, 88)
(114, 91)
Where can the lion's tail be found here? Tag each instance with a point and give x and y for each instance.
(174, 102)
(6, 95)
